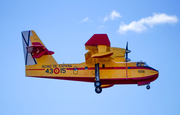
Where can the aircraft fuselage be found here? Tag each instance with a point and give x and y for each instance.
(109, 72)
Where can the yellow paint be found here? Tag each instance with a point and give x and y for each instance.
(102, 48)
(101, 54)
(45, 59)
(47, 67)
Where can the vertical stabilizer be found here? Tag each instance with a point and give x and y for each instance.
(35, 51)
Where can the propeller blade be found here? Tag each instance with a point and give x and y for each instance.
(127, 46)
(127, 51)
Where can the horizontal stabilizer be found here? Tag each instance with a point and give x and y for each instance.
(38, 50)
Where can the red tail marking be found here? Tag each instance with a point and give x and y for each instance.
(38, 49)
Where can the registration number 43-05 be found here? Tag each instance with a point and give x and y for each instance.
(55, 70)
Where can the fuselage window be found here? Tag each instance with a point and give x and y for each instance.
(103, 65)
(86, 68)
(141, 64)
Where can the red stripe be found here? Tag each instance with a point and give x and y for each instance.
(119, 67)
(92, 68)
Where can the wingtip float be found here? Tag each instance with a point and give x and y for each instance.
(104, 65)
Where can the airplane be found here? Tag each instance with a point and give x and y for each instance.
(104, 65)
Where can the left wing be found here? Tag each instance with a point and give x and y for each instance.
(98, 46)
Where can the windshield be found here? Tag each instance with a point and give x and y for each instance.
(144, 64)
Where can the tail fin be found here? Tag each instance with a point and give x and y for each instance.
(35, 51)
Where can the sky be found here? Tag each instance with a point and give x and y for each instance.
(150, 27)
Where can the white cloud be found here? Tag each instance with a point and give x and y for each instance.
(85, 19)
(105, 19)
(112, 16)
(141, 25)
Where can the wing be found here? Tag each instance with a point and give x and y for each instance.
(118, 54)
(99, 47)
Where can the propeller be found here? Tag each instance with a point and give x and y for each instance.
(127, 51)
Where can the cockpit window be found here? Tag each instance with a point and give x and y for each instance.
(142, 64)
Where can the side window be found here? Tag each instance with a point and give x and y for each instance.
(141, 64)
(103, 65)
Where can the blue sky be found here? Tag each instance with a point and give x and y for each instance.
(150, 27)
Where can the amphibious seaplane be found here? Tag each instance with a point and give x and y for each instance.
(104, 65)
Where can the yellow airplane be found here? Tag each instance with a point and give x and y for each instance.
(105, 65)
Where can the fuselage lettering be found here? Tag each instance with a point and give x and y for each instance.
(64, 65)
(62, 70)
(46, 66)
(141, 71)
